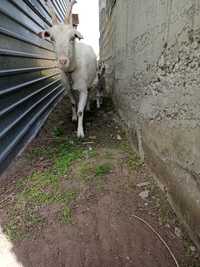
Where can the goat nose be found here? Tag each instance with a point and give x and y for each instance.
(63, 61)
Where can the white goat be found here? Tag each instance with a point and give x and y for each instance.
(77, 61)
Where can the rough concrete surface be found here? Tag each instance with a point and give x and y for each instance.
(152, 52)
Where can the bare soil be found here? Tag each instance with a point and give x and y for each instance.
(98, 182)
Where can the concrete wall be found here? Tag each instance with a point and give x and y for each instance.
(152, 52)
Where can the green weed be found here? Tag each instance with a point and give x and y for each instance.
(66, 215)
(58, 132)
(103, 169)
(40, 189)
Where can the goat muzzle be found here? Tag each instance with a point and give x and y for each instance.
(63, 61)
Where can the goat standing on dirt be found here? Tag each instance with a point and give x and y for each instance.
(77, 61)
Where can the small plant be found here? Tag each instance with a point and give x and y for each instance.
(12, 230)
(66, 215)
(89, 154)
(58, 132)
(91, 173)
(133, 160)
(103, 169)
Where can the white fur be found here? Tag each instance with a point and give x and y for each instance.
(77, 62)
(7, 256)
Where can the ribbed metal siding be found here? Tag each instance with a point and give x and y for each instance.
(30, 83)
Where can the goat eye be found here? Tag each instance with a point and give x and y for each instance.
(46, 34)
(52, 39)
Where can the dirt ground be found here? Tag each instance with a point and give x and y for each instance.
(70, 203)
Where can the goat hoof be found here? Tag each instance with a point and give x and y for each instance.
(74, 119)
(80, 135)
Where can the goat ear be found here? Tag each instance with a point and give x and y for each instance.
(44, 34)
(78, 35)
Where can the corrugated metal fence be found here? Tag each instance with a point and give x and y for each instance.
(30, 83)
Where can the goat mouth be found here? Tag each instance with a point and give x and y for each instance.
(64, 66)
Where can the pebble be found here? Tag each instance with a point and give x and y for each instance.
(93, 137)
(178, 232)
(144, 194)
(192, 248)
(162, 61)
(119, 138)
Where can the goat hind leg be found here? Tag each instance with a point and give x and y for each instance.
(98, 99)
(88, 102)
(88, 105)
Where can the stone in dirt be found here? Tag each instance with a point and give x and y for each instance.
(119, 138)
(144, 194)
(178, 232)
(192, 248)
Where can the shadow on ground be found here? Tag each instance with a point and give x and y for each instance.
(72, 203)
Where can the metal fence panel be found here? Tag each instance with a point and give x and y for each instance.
(30, 83)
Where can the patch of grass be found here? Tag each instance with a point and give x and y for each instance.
(40, 189)
(66, 197)
(63, 162)
(13, 231)
(65, 215)
(133, 160)
(88, 172)
(103, 169)
(22, 223)
(92, 173)
(26, 217)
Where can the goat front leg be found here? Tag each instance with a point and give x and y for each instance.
(81, 107)
(67, 82)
